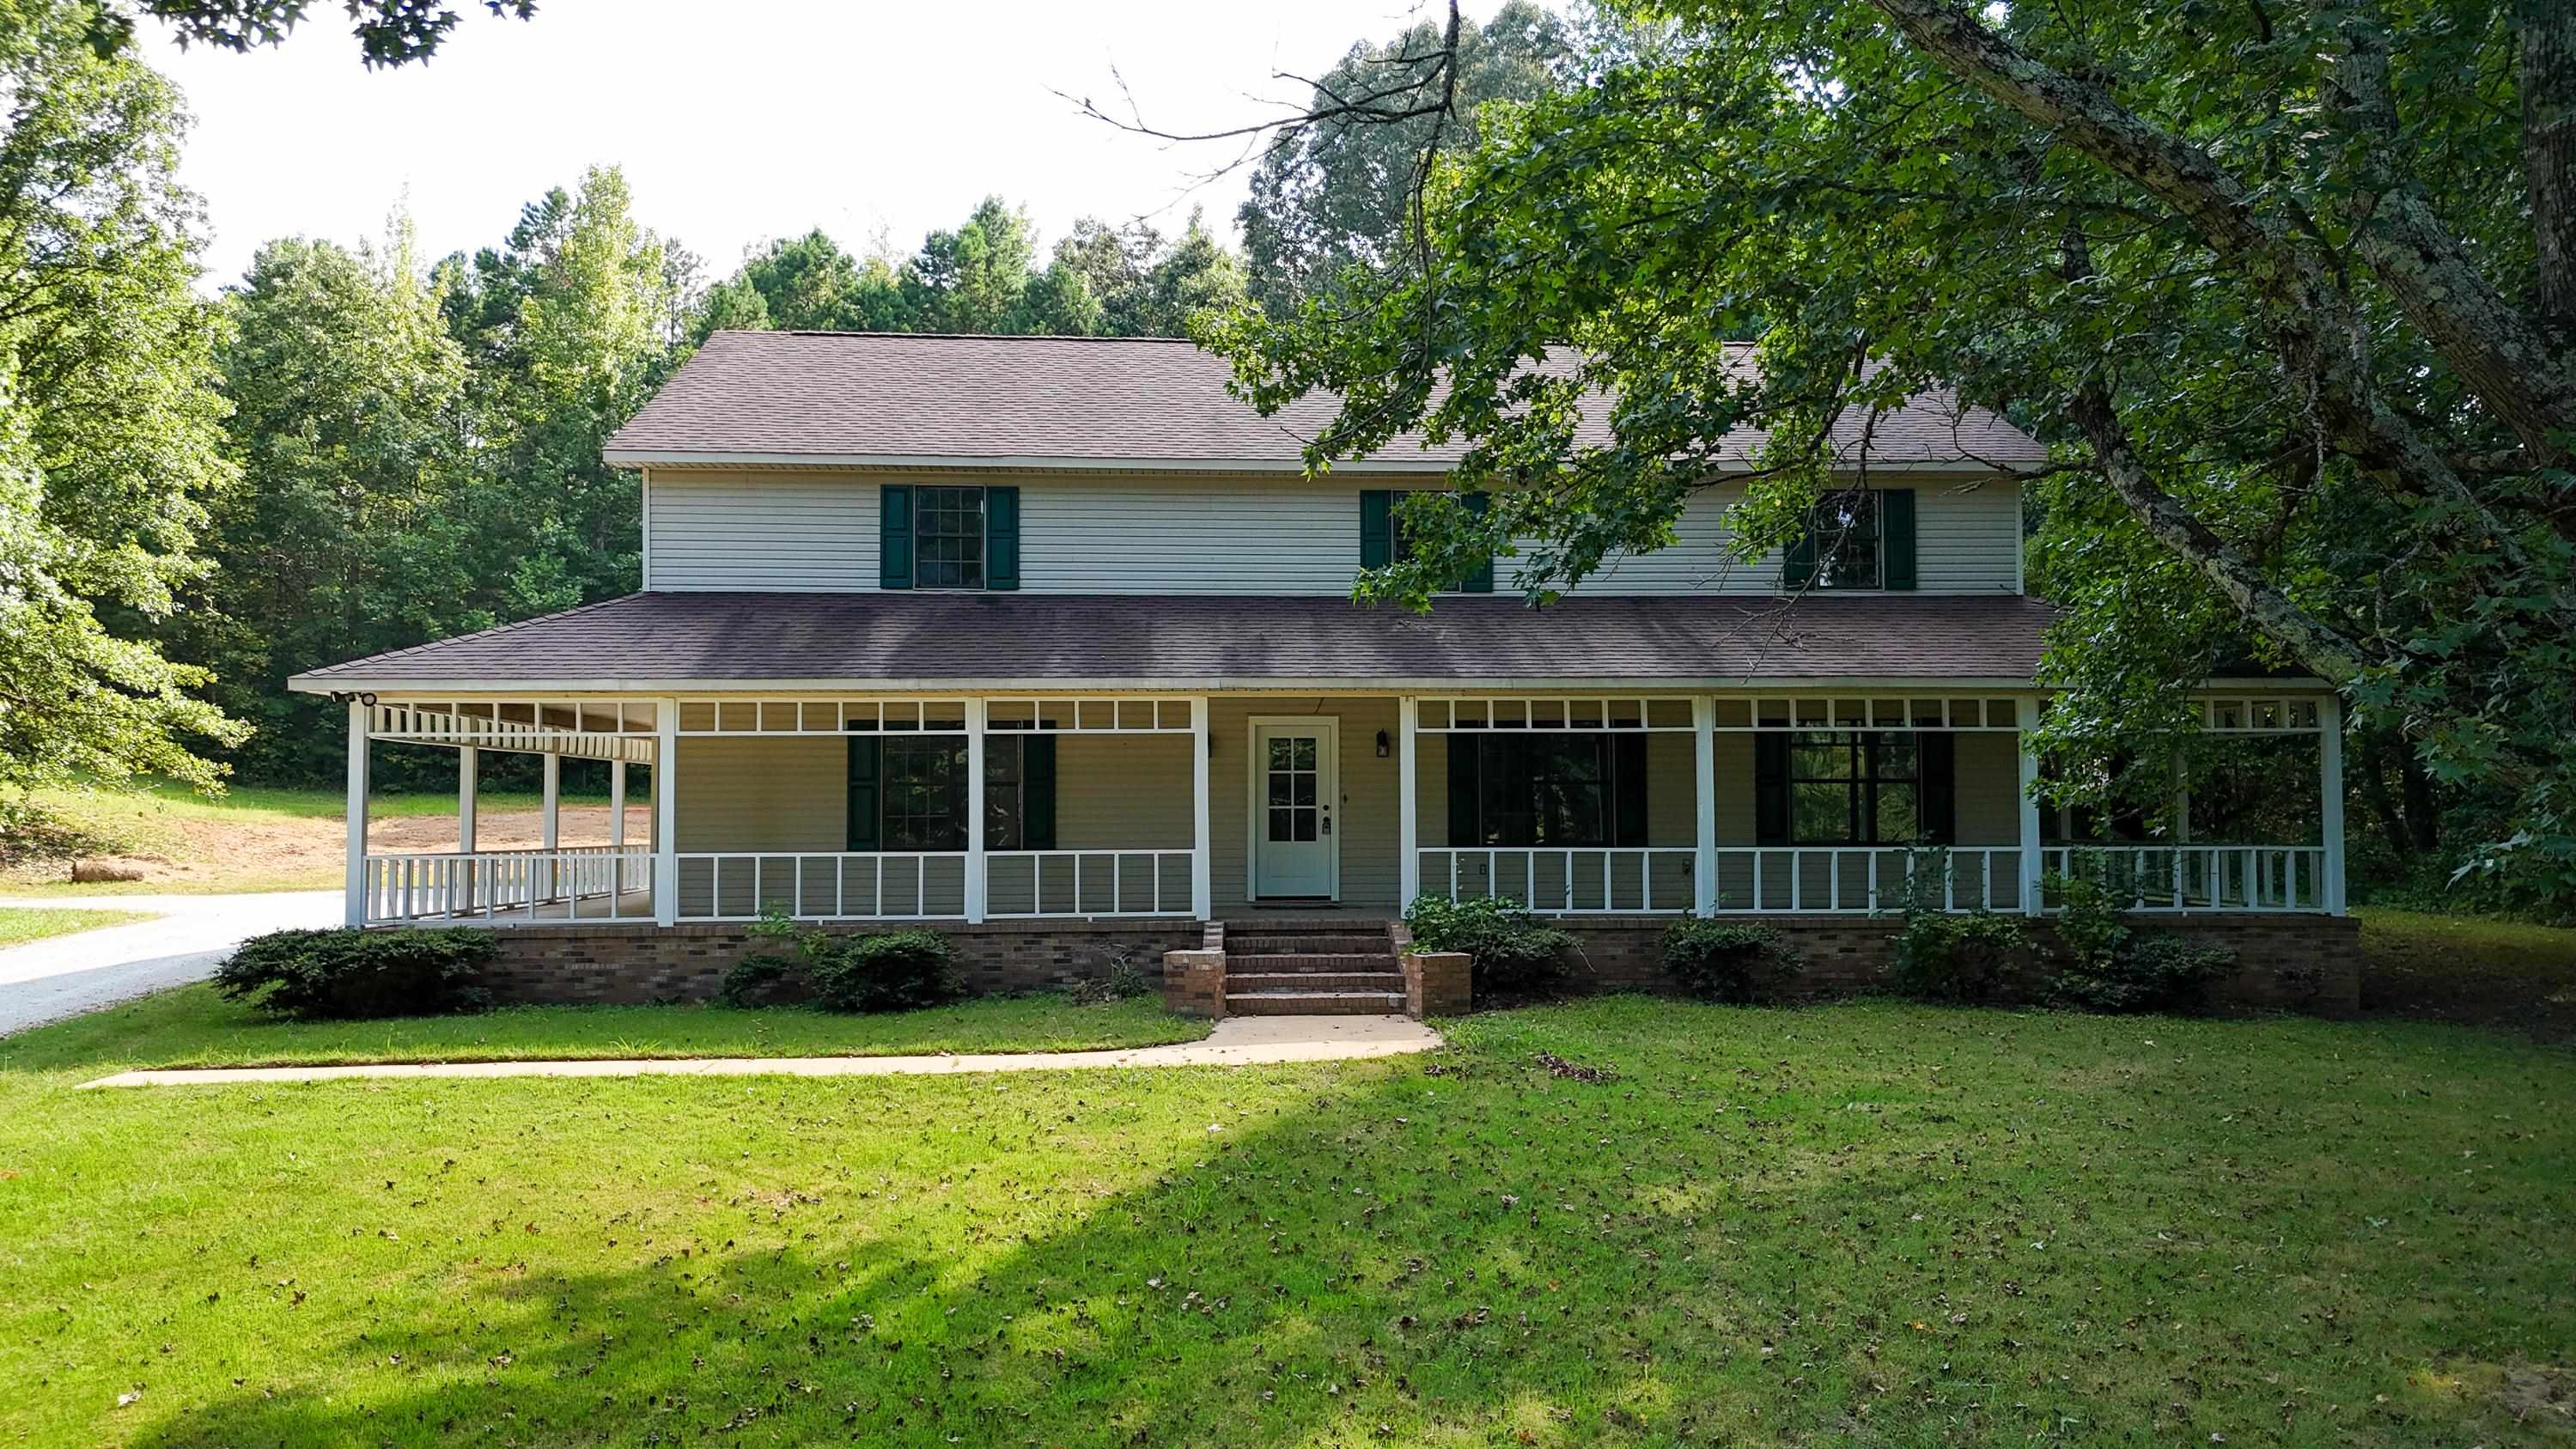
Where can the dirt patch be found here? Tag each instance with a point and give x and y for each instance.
(289, 853)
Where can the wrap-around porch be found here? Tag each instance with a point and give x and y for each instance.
(1094, 807)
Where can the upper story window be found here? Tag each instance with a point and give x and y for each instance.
(947, 537)
(1844, 530)
(1383, 540)
(1862, 538)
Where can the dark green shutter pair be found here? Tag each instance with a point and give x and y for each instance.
(1895, 546)
(894, 537)
(1377, 535)
(1939, 762)
(1037, 792)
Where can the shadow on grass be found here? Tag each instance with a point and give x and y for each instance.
(1955, 1228)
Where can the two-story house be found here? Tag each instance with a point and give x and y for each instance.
(1053, 634)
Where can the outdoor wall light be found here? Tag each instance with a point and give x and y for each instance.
(1381, 744)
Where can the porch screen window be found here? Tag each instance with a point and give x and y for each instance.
(1860, 539)
(1547, 790)
(1854, 787)
(910, 794)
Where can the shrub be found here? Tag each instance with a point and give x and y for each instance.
(346, 974)
(1954, 955)
(1508, 949)
(1125, 979)
(895, 971)
(762, 979)
(1945, 955)
(2104, 964)
(1728, 960)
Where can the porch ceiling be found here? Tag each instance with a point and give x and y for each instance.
(1199, 642)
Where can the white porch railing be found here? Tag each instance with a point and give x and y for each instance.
(1860, 879)
(1566, 881)
(2199, 877)
(822, 886)
(1082, 883)
(583, 882)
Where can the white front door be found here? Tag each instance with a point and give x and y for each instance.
(1296, 783)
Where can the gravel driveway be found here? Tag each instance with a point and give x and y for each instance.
(63, 976)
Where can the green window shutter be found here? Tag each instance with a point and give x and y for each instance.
(866, 762)
(1037, 792)
(1628, 789)
(1377, 528)
(1940, 764)
(1479, 580)
(1002, 538)
(1771, 788)
(1798, 565)
(1463, 827)
(1896, 536)
(894, 536)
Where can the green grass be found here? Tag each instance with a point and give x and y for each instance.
(21, 924)
(2468, 969)
(194, 1027)
(1868, 1223)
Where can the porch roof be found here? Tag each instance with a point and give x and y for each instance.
(660, 641)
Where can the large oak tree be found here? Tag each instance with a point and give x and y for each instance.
(2289, 287)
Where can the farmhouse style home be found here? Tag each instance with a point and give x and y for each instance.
(1049, 642)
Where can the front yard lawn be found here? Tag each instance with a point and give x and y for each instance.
(195, 1027)
(21, 924)
(1862, 1223)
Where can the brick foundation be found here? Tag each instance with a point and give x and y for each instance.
(625, 965)
(2283, 962)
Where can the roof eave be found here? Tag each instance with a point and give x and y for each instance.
(617, 457)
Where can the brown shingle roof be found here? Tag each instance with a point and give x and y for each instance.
(722, 639)
(852, 397)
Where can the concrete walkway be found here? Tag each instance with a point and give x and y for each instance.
(1240, 1041)
(188, 938)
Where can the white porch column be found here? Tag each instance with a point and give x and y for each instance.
(469, 764)
(1408, 801)
(550, 817)
(666, 860)
(2330, 802)
(616, 832)
(1704, 783)
(2031, 865)
(1202, 871)
(975, 810)
(356, 889)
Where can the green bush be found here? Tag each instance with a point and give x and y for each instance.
(349, 975)
(764, 978)
(2106, 965)
(1954, 955)
(1508, 949)
(1728, 960)
(1945, 955)
(894, 971)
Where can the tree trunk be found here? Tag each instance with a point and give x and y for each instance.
(2423, 811)
(2547, 79)
(2373, 778)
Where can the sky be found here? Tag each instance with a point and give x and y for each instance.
(747, 119)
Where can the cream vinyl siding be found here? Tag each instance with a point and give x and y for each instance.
(806, 532)
(1136, 534)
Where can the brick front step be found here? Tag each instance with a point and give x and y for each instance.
(1332, 943)
(1383, 981)
(1314, 1003)
(1258, 963)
